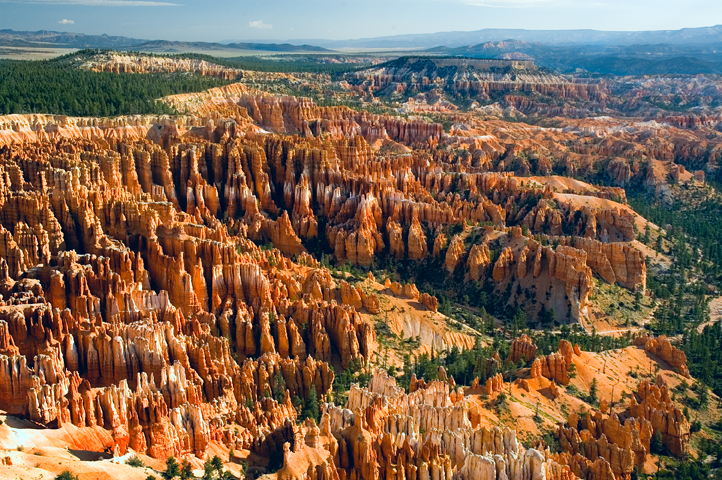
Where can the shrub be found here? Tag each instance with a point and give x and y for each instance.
(135, 462)
(66, 475)
(575, 392)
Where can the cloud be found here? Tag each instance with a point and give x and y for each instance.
(65, 21)
(97, 3)
(259, 24)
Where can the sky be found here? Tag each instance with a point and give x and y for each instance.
(274, 20)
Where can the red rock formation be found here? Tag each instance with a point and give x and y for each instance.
(350, 296)
(378, 438)
(177, 345)
(429, 302)
(410, 291)
(494, 384)
(555, 366)
(439, 244)
(502, 267)
(615, 262)
(454, 253)
(479, 259)
(597, 436)
(396, 239)
(417, 246)
(522, 348)
(136, 296)
(621, 446)
(664, 416)
(663, 348)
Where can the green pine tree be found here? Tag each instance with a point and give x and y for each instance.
(186, 472)
(311, 409)
(172, 469)
(594, 393)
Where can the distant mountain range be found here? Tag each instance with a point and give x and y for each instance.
(685, 36)
(45, 38)
(601, 59)
(165, 46)
(689, 50)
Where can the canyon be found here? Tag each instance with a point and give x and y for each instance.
(179, 285)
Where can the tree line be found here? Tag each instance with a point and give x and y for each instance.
(57, 87)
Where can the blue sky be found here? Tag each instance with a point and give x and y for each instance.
(219, 20)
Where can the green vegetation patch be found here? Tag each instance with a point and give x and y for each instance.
(57, 87)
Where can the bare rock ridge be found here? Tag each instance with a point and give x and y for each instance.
(120, 63)
(474, 77)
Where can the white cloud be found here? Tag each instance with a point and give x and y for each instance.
(259, 24)
(97, 3)
(65, 21)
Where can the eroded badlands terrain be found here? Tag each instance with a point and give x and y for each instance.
(190, 285)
